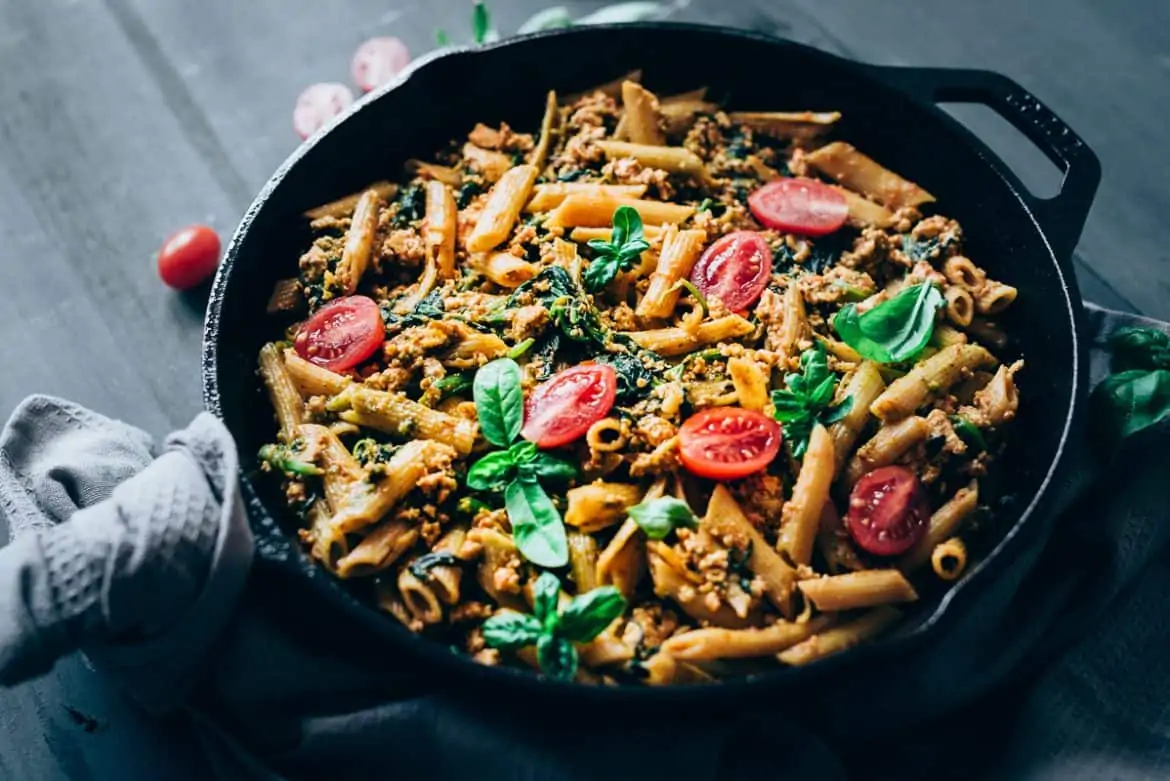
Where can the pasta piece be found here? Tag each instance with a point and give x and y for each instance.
(699, 93)
(583, 561)
(839, 349)
(581, 235)
(420, 600)
(949, 559)
(343, 207)
(795, 324)
(365, 503)
(662, 669)
(643, 121)
(282, 392)
(548, 128)
(611, 88)
(546, 197)
(944, 524)
(864, 212)
(994, 298)
(710, 643)
(945, 336)
(960, 271)
(676, 159)
(679, 115)
(596, 211)
(446, 580)
(889, 444)
(434, 173)
(680, 250)
(287, 296)
(503, 206)
(359, 242)
(839, 638)
(605, 649)
(724, 519)
(866, 588)
(751, 385)
(311, 379)
(492, 164)
(328, 544)
(473, 349)
(834, 545)
(623, 562)
(504, 268)
(865, 384)
(386, 594)
(599, 505)
(960, 305)
(934, 375)
(674, 341)
(858, 172)
(792, 125)
(606, 436)
(440, 227)
(987, 332)
(378, 550)
(342, 477)
(393, 413)
(802, 513)
(498, 567)
(670, 581)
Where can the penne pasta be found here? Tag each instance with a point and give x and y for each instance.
(643, 121)
(865, 213)
(842, 162)
(678, 341)
(311, 379)
(724, 519)
(582, 235)
(503, 207)
(751, 384)
(583, 555)
(890, 443)
(492, 164)
(378, 550)
(394, 414)
(676, 159)
(864, 385)
(670, 582)
(623, 562)
(853, 590)
(680, 250)
(504, 268)
(802, 513)
(440, 227)
(438, 173)
(359, 242)
(548, 127)
(282, 392)
(994, 298)
(599, 505)
(793, 125)
(344, 207)
(711, 643)
(420, 600)
(944, 524)
(949, 559)
(934, 375)
(546, 197)
(596, 211)
(838, 638)
(679, 115)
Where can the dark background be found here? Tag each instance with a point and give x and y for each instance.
(121, 120)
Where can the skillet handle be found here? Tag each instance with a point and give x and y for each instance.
(1062, 217)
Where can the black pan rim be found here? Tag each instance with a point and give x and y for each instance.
(461, 668)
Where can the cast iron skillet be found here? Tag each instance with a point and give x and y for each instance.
(889, 113)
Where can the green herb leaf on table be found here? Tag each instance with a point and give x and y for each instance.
(1130, 401)
(480, 22)
(510, 631)
(626, 244)
(895, 330)
(659, 517)
(1140, 348)
(557, 657)
(808, 400)
(587, 615)
(499, 401)
(537, 527)
(492, 472)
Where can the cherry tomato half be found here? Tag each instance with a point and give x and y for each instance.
(799, 205)
(317, 105)
(563, 408)
(377, 61)
(188, 257)
(725, 443)
(734, 269)
(888, 511)
(341, 334)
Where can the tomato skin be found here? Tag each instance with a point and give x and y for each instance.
(341, 334)
(726, 443)
(735, 269)
(888, 511)
(562, 408)
(799, 205)
(188, 257)
(378, 61)
(317, 105)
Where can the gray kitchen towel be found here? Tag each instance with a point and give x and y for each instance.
(1056, 668)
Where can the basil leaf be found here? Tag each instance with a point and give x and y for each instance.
(600, 272)
(548, 19)
(557, 657)
(895, 330)
(547, 467)
(492, 472)
(422, 566)
(509, 630)
(627, 242)
(658, 517)
(537, 528)
(968, 432)
(620, 13)
(545, 594)
(588, 614)
(837, 413)
(1130, 401)
(1140, 348)
(499, 401)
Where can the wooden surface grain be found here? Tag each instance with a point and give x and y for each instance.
(124, 119)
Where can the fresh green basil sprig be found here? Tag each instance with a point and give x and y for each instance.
(808, 400)
(626, 244)
(659, 517)
(554, 630)
(1137, 394)
(895, 330)
(518, 467)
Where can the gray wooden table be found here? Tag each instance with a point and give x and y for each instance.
(121, 120)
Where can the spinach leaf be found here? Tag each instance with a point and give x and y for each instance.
(550, 285)
(499, 401)
(285, 460)
(588, 614)
(422, 566)
(467, 193)
(430, 307)
(370, 451)
(1128, 402)
(968, 432)
(808, 399)
(626, 244)
(537, 527)
(634, 380)
(659, 517)
(492, 472)
(509, 630)
(557, 657)
(571, 175)
(454, 384)
(1140, 348)
(411, 206)
(895, 330)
